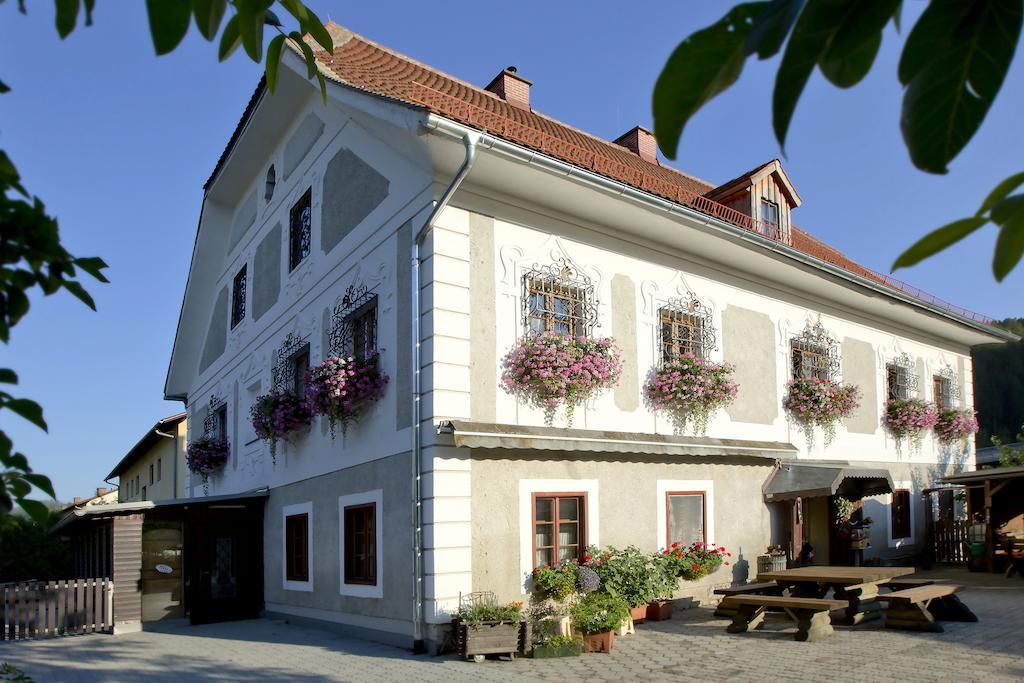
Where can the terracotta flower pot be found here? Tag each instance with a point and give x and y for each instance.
(660, 610)
(639, 613)
(598, 642)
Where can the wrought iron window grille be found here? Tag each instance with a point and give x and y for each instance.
(300, 222)
(283, 372)
(238, 297)
(901, 377)
(354, 323)
(685, 326)
(558, 298)
(947, 386)
(215, 421)
(814, 353)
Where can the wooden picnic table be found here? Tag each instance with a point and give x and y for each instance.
(857, 586)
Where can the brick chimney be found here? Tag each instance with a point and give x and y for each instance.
(639, 140)
(77, 500)
(511, 87)
(100, 491)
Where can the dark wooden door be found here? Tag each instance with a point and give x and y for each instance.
(225, 563)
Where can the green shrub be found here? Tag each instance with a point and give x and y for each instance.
(475, 615)
(598, 612)
(628, 574)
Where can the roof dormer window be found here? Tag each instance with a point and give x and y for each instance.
(770, 215)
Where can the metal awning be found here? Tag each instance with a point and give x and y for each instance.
(487, 435)
(794, 480)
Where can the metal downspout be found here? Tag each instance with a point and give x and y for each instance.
(470, 140)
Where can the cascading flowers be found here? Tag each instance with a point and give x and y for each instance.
(550, 369)
(278, 414)
(690, 388)
(909, 418)
(206, 455)
(820, 402)
(342, 387)
(955, 425)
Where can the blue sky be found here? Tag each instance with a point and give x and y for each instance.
(119, 142)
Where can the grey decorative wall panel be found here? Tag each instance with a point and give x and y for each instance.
(352, 189)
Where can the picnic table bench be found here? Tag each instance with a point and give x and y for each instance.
(903, 584)
(810, 614)
(756, 588)
(858, 587)
(921, 608)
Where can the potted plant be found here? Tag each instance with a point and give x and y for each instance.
(207, 455)
(485, 627)
(277, 414)
(700, 560)
(955, 425)
(818, 402)
(548, 370)
(341, 388)
(627, 574)
(550, 641)
(909, 418)
(667, 567)
(596, 616)
(557, 582)
(690, 389)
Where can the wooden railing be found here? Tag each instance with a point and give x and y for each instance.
(47, 609)
(949, 541)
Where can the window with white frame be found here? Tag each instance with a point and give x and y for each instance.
(686, 511)
(297, 547)
(361, 544)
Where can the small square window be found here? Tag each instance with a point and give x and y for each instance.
(300, 367)
(942, 391)
(364, 330)
(681, 333)
(897, 383)
(559, 529)
(220, 425)
(809, 361)
(556, 307)
(238, 297)
(299, 230)
(686, 524)
(296, 529)
(361, 544)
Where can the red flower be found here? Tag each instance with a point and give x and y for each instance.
(676, 544)
(586, 558)
(726, 564)
(679, 556)
(665, 552)
(696, 567)
(728, 554)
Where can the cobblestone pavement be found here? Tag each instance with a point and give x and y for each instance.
(693, 645)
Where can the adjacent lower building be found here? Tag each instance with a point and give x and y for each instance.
(437, 222)
(154, 468)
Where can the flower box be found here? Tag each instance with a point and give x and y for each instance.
(490, 637)
(565, 650)
(599, 642)
(660, 610)
(638, 613)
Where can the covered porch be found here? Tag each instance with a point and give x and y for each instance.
(995, 510)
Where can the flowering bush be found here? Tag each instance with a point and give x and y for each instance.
(557, 581)
(821, 402)
(691, 388)
(695, 561)
(277, 414)
(206, 455)
(587, 580)
(908, 418)
(475, 616)
(340, 388)
(668, 567)
(551, 369)
(955, 425)
(628, 574)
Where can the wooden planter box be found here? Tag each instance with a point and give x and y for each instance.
(491, 638)
(548, 651)
(639, 614)
(660, 610)
(599, 642)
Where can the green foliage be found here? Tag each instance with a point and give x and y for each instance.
(31, 254)
(27, 551)
(998, 371)
(12, 674)
(628, 574)
(475, 615)
(599, 612)
(558, 582)
(1008, 456)
(953, 64)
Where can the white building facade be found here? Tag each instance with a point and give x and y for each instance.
(325, 217)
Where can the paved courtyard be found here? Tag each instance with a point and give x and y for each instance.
(692, 646)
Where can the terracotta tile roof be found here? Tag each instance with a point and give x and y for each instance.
(363, 64)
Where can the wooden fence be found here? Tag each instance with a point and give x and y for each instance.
(47, 609)
(949, 541)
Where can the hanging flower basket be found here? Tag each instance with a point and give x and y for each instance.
(820, 402)
(909, 418)
(276, 415)
(342, 387)
(548, 370)
(700, 560)
(955, 425)
(207, 455)
(690, 389)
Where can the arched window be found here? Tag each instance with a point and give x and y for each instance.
(268, 193)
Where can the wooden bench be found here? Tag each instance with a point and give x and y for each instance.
(759, 588)
(921, 608)
(903, 584)
(810, 614)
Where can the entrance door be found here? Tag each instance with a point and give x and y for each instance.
(224, 545)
